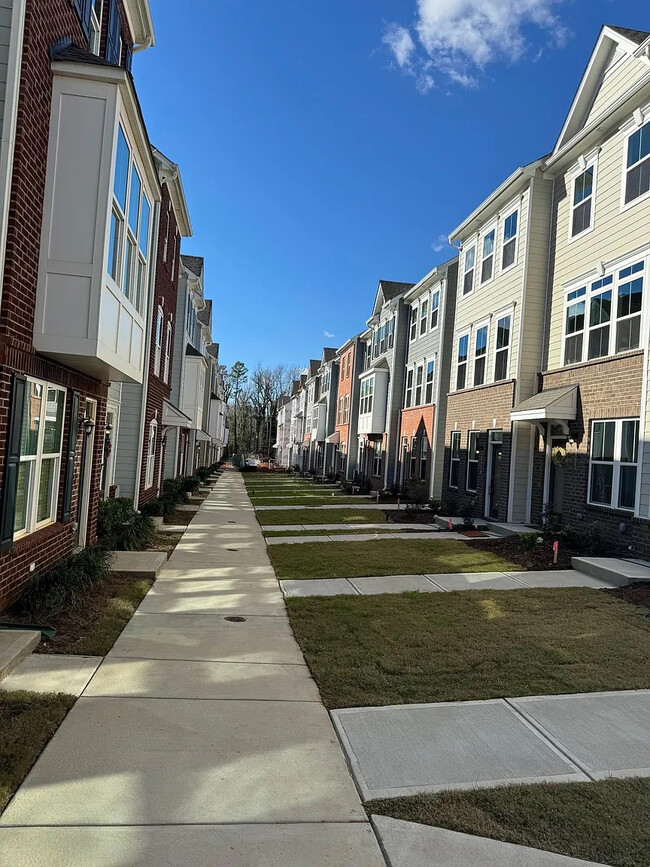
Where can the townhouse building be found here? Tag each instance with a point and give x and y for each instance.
(344, 439)
(283, 432)
(503, 256)
(432, 306)
(216, 410)
(80, 199)
(590, 461)
(297, 424)
(381, 384)
(324, 413)
(314, 419)
(142, 413)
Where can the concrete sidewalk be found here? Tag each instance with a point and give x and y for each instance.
(201, 738)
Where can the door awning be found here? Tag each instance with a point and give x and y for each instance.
(554, 404)
(202, 437)
(173, 417)
(334, 438)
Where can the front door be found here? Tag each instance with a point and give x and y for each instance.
(556, 477)
(85, 482)
(494, 489)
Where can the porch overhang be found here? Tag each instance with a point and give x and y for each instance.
(173, 417)
(334, 438)
(558, 405)
(202, 437)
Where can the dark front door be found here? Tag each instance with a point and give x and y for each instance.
(556, 479)
(495, 479)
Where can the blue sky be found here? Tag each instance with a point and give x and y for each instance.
(326, 145)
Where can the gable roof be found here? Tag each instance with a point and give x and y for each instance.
(205, 315)
(608, 40)
(194, 264)
(314, 364)
(388, 290)
(328, 354)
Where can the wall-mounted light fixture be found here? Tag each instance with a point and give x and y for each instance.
(89, 426)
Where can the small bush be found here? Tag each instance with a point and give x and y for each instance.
(468, 513)
(529, 540)
(435, 506)
(63, 585)
(120, 528)
(203, 473)
(191, 484)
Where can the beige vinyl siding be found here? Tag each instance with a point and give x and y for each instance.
(644, 453)
(487, 302)
(623, 76)
(615, 234)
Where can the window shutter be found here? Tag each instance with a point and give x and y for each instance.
(72, 453)
(114, 34)
(12, 461)
(84, 9)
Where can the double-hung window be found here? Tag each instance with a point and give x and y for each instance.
(382, 338)
(510, 234)
(408, 397)
(367, 389)
(428, 396)
(424, 315)
(376, 458)
(582, 206)
(414, 322)
(435, 308)
(461, 362)
(637, 172)
(575, 325)
(339, 417)
(368, 354)
(424, 456)
(502, 351)
(159, 339)
(472, 461)
(96, 26)
(454, 464)
(600, 315)
(346, 409)
(129, 230)
(470, 262)
(419, 377)
(375, 343)
(613, 463)
(391, 332)
(151, 454)
(629, 301)
(487, 262)
(480, 354)
(414, 458)
(40, 456)
(168, 350)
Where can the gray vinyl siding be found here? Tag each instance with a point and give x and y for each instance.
(396, 363)
(446, 343)
(126, 459)
(6, 9)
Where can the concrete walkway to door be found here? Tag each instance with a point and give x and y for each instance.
(201, 739)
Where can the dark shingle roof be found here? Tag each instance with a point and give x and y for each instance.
(194, 264)
(392, 290)
(74, 54)
(205, 316)
(190, 350)
(329, 354)
(313, 366)
(638, 36)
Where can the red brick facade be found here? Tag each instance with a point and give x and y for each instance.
(345, 390)
(46, 23)
(483, 409)
(608, 388)
(416, 423)
(165, 297)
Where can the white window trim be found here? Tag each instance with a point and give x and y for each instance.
(616, 463)
(418, 368)
(151, 453)
(96, 29)
(31, 524)
(414, 321)
(427, 362)
(408, 401)
(473, 242)
(587, 282)
(425, 304)
(452, 459)
(485, 323)
(502, 227)
(491, 227)
(474, 460)
(501, 314)
(640, 118)
(435, 292)
(168, 347)
(159, 337)
(585, 163)
(466, 332)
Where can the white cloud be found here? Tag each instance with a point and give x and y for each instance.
(328, 334)
(459, 38)
(440, 243)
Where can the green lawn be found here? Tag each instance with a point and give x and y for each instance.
(605, 821)
(389, 528)
(409, 648)
(27, 722)
(330, 516)
(300, 500)
(383, 557)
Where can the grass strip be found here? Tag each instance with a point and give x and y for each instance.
(331, 516)
(376, 530)
(409, 648)
(27, 722)
(605, 821)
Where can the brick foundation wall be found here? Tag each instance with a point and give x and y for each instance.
(483, 409)
(608, 389)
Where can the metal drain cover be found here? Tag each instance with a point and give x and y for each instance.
(235, 619)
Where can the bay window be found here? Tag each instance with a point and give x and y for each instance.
(480, 354)
(582, 205)
(454, 464)
(468, 279)
(428, 397)
(461, 361)
(502, 352)
(487, 263)
(367, 390)
(613, 463)
(40, 456)
(637, 171)
(510, 234)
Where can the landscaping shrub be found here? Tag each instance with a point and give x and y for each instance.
(191, 484)
(121, 528)
(529, 540)
(203, 473)
(61, 586)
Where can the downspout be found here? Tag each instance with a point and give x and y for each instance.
(145, 378)
(9, 124)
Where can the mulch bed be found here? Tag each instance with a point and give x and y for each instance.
(637, 594)
(179, 518)
(404, 516)
(537, 559)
